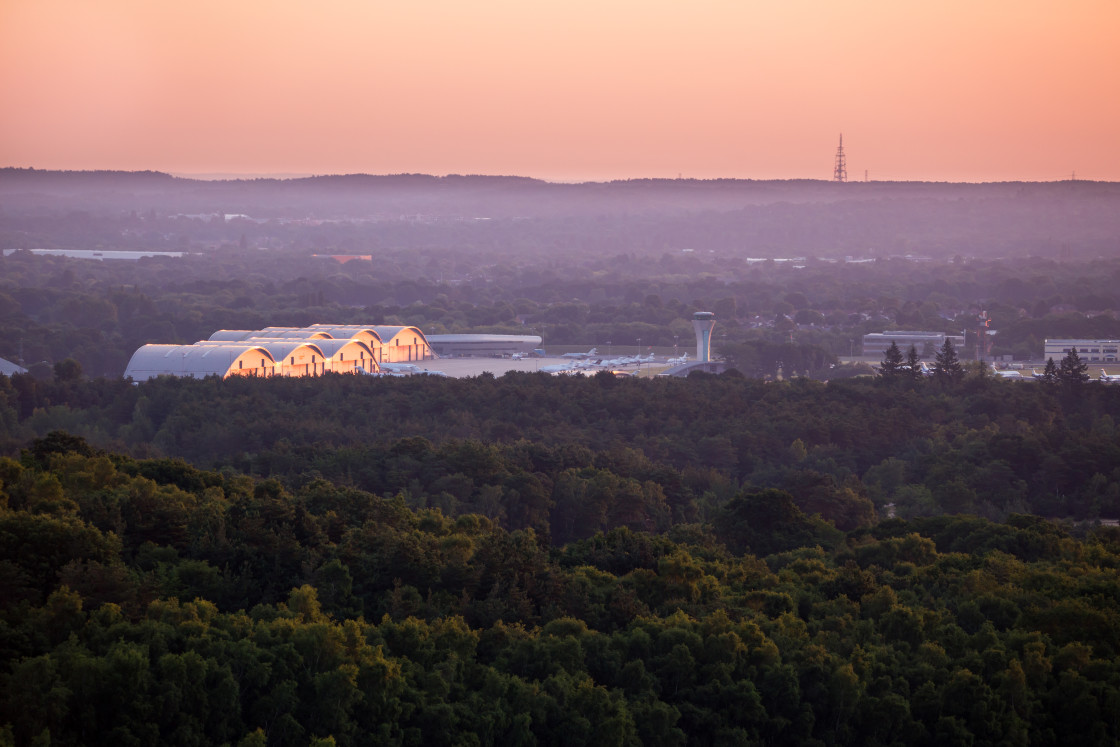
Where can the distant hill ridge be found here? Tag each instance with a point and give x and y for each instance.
(18, 175)
(341, 196)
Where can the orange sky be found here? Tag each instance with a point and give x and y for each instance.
(959, 90)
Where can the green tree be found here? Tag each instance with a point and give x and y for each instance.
(913, 367)
(68, 369)
(1050, 373)
(1072, 371)
(769, 521)
(891, 368)
(947, 367)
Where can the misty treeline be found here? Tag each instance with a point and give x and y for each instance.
(99, 313)
(571, 456)
(579, 264)
(512, 216)
(150, 602)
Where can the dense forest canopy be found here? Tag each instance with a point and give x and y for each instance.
(531, 450)
(150, 602)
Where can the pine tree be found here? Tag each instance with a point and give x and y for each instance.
(891, 367)
(947, 367)
(1050, 373)
(914, 364)
(1073, 371)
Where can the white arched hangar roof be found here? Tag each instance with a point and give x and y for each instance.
(197, 361)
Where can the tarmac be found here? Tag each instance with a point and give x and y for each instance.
(461, 368)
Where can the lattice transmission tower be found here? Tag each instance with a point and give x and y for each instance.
(840, 172)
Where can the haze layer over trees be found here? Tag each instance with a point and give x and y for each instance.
(519, 217)
(539, 560)
(577, 264)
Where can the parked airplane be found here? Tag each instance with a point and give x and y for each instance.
(678, 361)
(382, 372)
(1109, 378)
(408, 368)
(1036, 375)
(1008, 374)
(581, 356)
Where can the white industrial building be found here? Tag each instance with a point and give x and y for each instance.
(284, 351)
(200, 361)
(1093, 351)
(478, 345)
(926, 343)
(8, 368)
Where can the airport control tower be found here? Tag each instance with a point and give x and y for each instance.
(703, 322)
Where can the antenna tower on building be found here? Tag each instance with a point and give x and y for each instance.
(840, 173)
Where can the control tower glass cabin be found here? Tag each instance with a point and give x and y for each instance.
(703, 322)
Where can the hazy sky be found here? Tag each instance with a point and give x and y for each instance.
(960, 90)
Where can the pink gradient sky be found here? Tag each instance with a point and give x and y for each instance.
(956, 90)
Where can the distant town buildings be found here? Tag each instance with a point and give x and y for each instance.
(99, 254)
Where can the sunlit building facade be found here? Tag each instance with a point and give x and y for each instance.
(284, 351)
(200, 361)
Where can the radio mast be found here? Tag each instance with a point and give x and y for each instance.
(840, 173)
